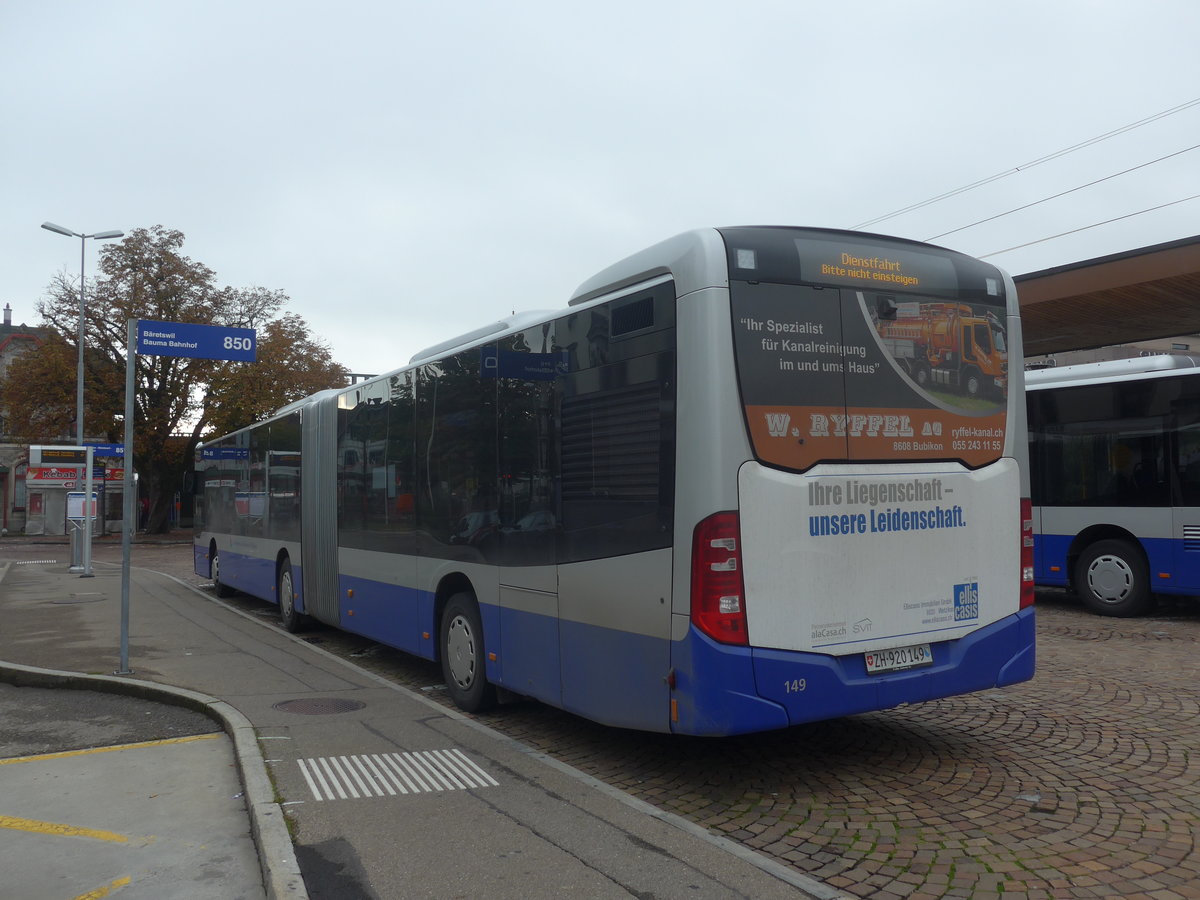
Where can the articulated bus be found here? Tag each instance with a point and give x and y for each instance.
(704, 498)
(1115, 456)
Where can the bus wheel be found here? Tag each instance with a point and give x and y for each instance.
(463, 655)
(1113, 579)
(214, 568)
(292, 620)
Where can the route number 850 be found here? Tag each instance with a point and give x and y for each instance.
(239, 343)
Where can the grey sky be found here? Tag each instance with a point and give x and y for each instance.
(406, 172)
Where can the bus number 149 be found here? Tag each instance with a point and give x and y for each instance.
(795, 686)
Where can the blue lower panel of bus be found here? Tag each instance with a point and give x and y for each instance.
(615, 677)
(1174, 569)
(387, 613)
(248, 574)
(529, 663)
(731, 690)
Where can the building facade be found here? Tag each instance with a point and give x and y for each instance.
(14, 457)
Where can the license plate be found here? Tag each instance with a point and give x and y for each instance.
(896, 658)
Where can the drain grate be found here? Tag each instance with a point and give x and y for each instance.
(319, 706)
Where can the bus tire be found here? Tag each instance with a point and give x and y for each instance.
(463, 655)
(285, 589)
(214, 570)
(1112, 578)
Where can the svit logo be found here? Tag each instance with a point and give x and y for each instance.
(966, 601)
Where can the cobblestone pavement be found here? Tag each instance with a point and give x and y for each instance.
(1082, 783)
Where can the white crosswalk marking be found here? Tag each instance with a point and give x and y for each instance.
(389, 774)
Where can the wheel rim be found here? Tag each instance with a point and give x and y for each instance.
(460, 652)
(216, 568)
(1110, 579)
(285, 593)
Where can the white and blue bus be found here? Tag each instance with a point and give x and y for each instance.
(706, 497)
(1115, 457)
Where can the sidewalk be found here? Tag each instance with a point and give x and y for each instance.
(388, 794)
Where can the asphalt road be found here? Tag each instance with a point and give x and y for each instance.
(47, 720)
(1082, 783)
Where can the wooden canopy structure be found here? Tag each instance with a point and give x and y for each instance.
(1137, 295)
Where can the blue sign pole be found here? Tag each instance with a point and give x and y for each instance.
(149, 337)
(127, 503)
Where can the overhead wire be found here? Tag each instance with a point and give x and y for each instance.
(1063, 193)
(1029, 165)
(1086, 227)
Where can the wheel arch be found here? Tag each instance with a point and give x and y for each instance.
(1091, 535)
(450, 584)
(281, 557)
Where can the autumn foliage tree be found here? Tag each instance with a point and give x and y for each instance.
(177, 401)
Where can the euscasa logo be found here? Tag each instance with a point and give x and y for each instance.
(777, 424)
(966, 601)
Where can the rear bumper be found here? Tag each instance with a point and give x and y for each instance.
(722, 689)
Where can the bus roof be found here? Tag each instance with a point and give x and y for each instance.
(515, 322)
(1110, 370)
(669, 257)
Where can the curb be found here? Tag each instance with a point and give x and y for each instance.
(276, 855)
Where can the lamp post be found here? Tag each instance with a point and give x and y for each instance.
(81, 561)
(99, 236)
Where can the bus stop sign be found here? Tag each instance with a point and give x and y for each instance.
(196, 341)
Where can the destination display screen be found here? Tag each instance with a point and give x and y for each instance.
(851, 259)
(861, 265)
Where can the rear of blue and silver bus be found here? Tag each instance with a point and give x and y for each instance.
(877, 549)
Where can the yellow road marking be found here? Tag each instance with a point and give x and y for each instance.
(69, 753)
(59, 829)
(101, 892)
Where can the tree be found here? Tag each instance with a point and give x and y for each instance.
(290, 366)
(177, 400)
(39, 391)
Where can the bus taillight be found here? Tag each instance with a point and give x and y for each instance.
(718, 595)
(1026, 552)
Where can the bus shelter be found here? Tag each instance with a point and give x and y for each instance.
(48, 481)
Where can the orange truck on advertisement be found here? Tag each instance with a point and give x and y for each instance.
(948, 344)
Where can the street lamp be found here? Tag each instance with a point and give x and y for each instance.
(100, 236)
(81, 557)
